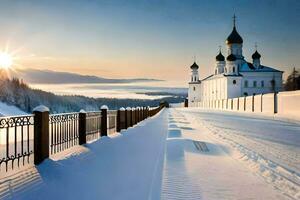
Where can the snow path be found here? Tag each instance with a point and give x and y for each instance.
(190, 173)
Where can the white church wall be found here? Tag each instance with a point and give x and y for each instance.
(194, 94)
(234, 85)
(289, 104)
(263, 82)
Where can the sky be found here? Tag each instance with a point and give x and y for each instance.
(146, 39)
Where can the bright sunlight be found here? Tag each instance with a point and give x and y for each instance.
(6, 60)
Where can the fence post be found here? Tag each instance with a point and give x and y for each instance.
(82, 127)
(128, 117)
(253, 102)
(275, 102)
(133, 116)
(138, 119)
(148, 111)
(118, 125)
(103, 131)
(41, 134)
(122, 122)
(143, 113)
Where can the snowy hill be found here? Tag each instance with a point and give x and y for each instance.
(6, 110)
(55, 77)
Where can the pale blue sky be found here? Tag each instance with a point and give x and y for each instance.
(155, 39)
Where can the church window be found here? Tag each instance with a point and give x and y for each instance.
(194, 88)
(246, 84)
(234, 82)
(254, 84)
(262, 84)
(233, 69)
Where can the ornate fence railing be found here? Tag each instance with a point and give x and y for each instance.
(16, 140)
(111, 121)
(45, 135)
(63, 130)
(93, 125)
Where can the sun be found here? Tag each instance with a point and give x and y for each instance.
(6, 60)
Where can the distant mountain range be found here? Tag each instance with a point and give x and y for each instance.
(55, 77)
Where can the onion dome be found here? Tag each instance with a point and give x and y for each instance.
(234, 37)
(256, 55)
(231, 57)
(194, 66)
(220, 57)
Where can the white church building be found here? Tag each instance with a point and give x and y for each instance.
(234, 76)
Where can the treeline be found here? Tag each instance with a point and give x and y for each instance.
(293, 81)
(19, 94)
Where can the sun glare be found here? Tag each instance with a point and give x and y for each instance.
(5, 60)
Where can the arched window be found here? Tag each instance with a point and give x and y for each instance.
(194, 88)
(254, 84)
(233, 69)
(246, 84)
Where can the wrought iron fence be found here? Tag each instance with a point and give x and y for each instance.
(112, 121)
(16, 140)
(93, 125)
(63, 131)
(20, 136)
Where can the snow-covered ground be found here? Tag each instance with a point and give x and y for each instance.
(267, 148)
(8, 110)
(181, 153)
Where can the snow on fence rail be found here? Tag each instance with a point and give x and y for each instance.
(282, 104)
(43, 135)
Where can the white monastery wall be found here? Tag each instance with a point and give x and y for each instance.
(289, 104)
(281, 105)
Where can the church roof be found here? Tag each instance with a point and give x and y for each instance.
(256, 55)
(234, 37)
(194, 66)
(220, 57)
(231, 57)
(248, 67)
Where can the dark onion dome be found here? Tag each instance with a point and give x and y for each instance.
(231, 57)
(256, 55)
(194, 66)
(234, 37)
(220, 57)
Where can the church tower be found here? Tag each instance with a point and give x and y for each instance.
(220, 63)
(235, 44)
(195, 74)
(194, 92)
(231, 65)
(256, 59)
